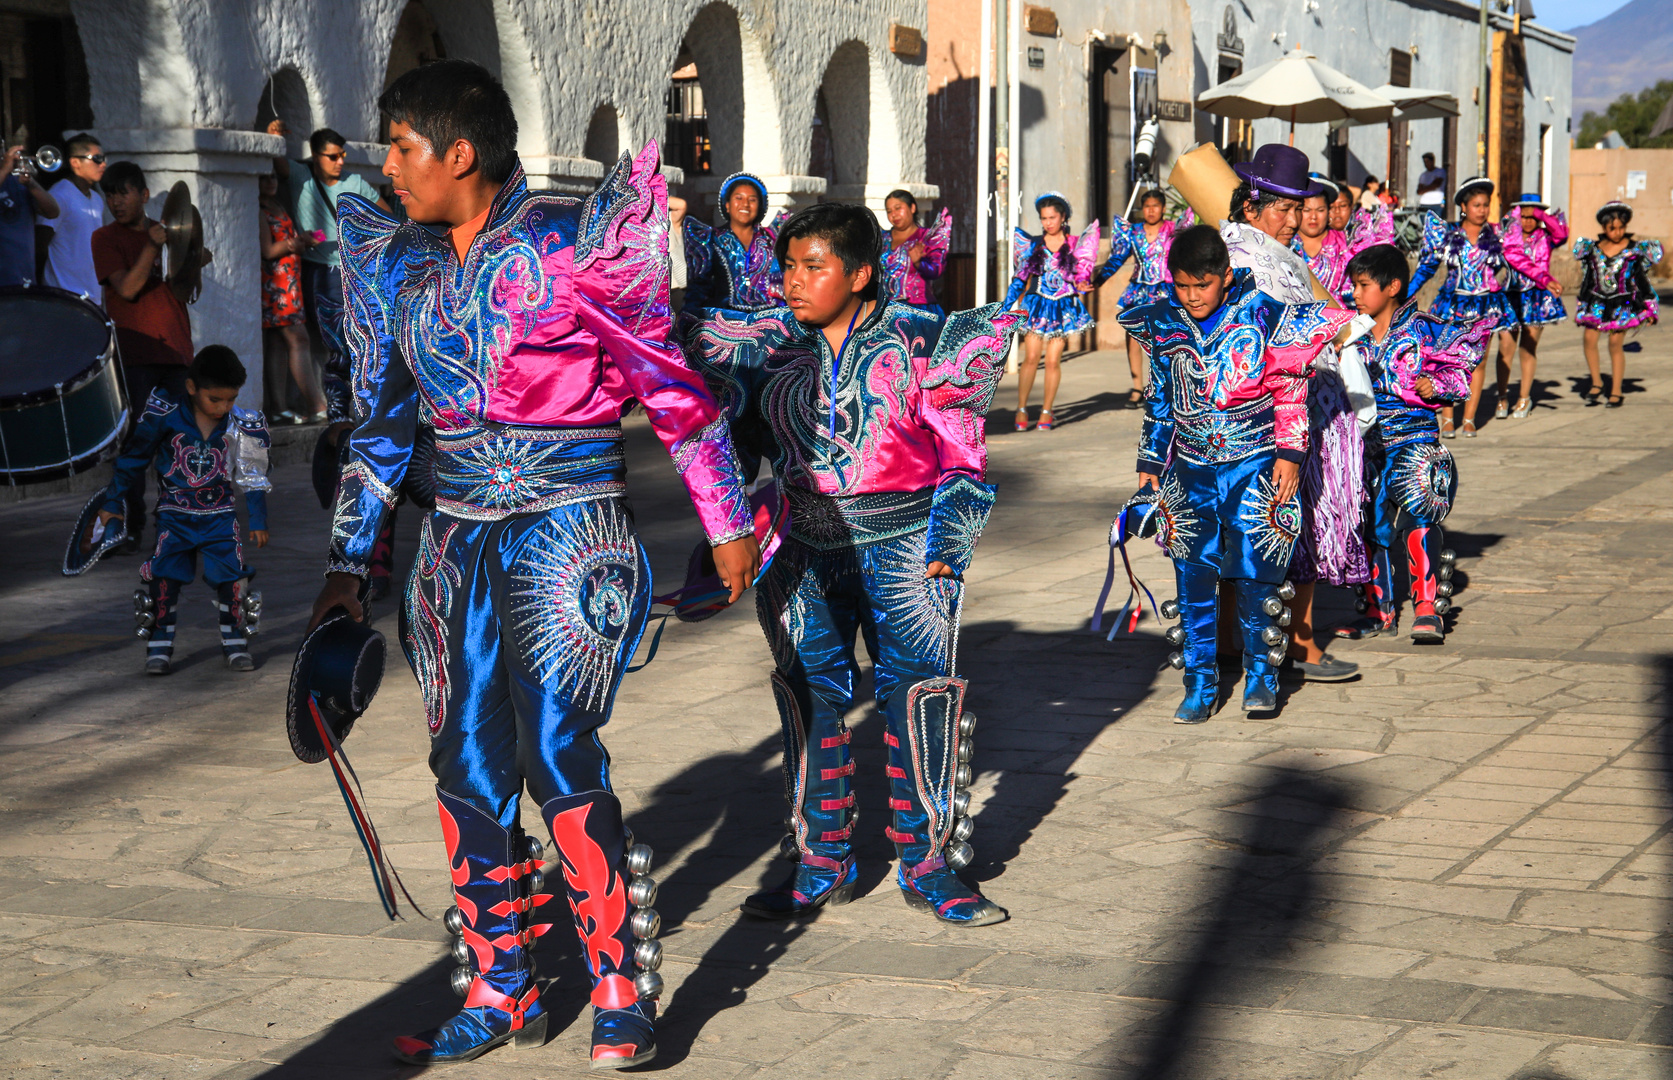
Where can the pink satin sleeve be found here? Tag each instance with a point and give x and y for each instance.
(1289, 414)
(685, 417)
(1523, 261)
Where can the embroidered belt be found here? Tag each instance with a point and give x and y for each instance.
(833, 522)
(484, 474)
(1214, 438)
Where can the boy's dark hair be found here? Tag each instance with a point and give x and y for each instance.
(449, 100)
(851, 231)
(120, 176)
(324, 137)
(904, 196)
(1384, 264)
(1200, 252)
(216, 367)
(80, 143)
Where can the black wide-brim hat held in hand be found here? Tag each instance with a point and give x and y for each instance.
(339, 667)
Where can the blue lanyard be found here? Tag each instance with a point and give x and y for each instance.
(836, 364)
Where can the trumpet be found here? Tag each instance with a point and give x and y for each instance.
(47, 159)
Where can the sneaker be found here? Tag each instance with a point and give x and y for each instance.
(158, 665)
(241, 661)
(1428, 630)
(1328, 669)
(1367, 626)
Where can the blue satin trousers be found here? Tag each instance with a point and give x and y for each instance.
(519, 631)
(1227, 517)
(813, 605)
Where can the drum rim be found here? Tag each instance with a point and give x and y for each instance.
(85, 375)
(69, 466)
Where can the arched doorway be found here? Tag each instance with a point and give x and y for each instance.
(417, 42)
(605, 137)
(44, 89)
(723, 111)
(842, 118)
(285, 97)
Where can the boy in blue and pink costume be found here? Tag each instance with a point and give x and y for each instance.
(521, 343)
(878, 447)
(1224, 437)
(1418, 364)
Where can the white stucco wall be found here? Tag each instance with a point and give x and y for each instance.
(176, 86)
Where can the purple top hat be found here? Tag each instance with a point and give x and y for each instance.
(1280, 170)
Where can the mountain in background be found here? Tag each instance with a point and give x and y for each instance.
(1621, 53)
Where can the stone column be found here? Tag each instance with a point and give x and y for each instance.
(220, 168)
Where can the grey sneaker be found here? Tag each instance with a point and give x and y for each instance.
(240, 661)
(158, 665)
(1328, 669)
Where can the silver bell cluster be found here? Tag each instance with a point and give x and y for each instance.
(646, 923)
(454, 920)
(959, 853)
(252, 614)
(1273, 636)
(1175, 634)
(145, 613)
(1443, 591)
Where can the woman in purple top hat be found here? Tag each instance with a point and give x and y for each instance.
(1265, 217)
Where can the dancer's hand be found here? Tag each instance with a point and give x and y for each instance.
(1556, 288)
(341, 590)
(105, 518)
(1149, 480)
(1425, 388)
(939, 569)
(258, 537)
(738, 562)
(1287, 475)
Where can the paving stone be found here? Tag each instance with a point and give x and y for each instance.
(1396, 999)
(1559, 1014)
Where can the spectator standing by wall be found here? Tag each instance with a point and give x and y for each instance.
(69, 257)
(153, 330)
(315, 186)
(22, 200)
(282, 314)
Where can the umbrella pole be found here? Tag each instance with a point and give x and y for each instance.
(1292, 125)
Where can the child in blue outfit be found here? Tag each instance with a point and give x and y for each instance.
(201, 447)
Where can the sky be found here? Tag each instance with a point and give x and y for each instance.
(1568, 14)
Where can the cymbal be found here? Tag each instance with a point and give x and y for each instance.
(184, 227)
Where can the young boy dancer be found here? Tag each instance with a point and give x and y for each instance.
(203, 447)
(872, 414)
(519, 325)
(1227, 403)
(1418, 365)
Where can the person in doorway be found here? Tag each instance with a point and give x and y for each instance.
(22, 201)
(912, 255)
(283, 316)
(1265, 216)
(1146, 242)
(883, 463)
(314, 186)
(153, 330)
(1615, 294)
(69, 257)
(1530, 234)
(1053, 271)
(1417, 363)
(1474, 260)
(529, 595)
(1371, 195)
(1431, 184)
(1224, 439)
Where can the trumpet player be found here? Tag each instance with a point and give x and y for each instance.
(22, 201)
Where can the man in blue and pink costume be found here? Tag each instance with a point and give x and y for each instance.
(1224, 439)
(871, 411)
(520, 326)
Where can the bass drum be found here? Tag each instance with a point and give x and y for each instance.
(62, 406)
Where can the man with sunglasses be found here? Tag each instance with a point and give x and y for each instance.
(81, 212)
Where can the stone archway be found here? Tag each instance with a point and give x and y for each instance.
(285, 97)
(605, 136)
(843, 114)
(739, 95)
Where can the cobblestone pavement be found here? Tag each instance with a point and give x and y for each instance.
(1457, 866)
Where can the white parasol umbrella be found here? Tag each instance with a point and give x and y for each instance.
(1297, 88)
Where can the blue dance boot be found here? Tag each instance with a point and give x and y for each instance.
(614, 920)
(818, 771)
(1380, 611)
(1199, 620)
(1258, 611)
(496, 890)
(930, 750)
